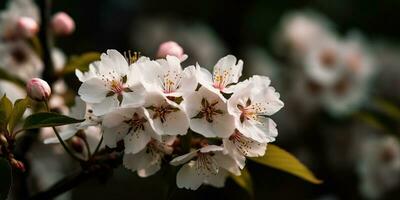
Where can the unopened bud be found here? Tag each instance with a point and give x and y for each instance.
(17, 164)
(77, 144)
(171, 48)
(62, 24)
(27, 27)
(38, 89)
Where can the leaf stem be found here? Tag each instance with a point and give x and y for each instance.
(61, 140)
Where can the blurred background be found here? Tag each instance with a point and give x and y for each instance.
(336, 65)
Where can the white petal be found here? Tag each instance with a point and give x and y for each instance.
(136, 141)
(189, 81)
(107, 105)
(209, 148)
(187, 177)
(93, 91)
(113, 135)
(217, 180)
(135, 98)
(234, 153)
(226, 162)
(262, 131)
(116, 61)
(183, 158)
(113, 119)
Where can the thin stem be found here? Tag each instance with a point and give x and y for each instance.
(61, 140)
(65, 146)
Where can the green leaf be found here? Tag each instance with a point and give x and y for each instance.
(244, 181)
(81, 62)
(389, 108)
(371, 120)
(4, 75)
(20, 106)
(5, 178)
(5, 111)
(280, 159)
(48, 119)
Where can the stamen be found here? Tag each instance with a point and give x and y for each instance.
(162, 111)
(251, 111)
(208, 111)
(222, 78)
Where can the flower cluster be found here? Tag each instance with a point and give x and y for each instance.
(153, 107)
(335, 71)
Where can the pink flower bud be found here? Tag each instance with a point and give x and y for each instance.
(38, 89)
(62, 24)
(27, 27)
(171, 48)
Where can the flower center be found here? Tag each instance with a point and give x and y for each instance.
(206, 164)
(136, 123)
(328, 58)
(249, 111)
(221, 78)
(19, 56)
(208, 110)
(116, 86)
(170, 81)
(162, 111)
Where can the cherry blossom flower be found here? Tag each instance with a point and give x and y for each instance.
(111, 83)
(21, 59)
(166, 117)
(168, 77)
(323, 63)
(379, 166)
(149, 159)
(299, 31)
(208, 165)
(226, 72)
(250, 105)
(130, 125)
(208, 114)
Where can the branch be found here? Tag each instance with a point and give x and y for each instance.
(63, 185)
(100, 167)
(45, 38)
